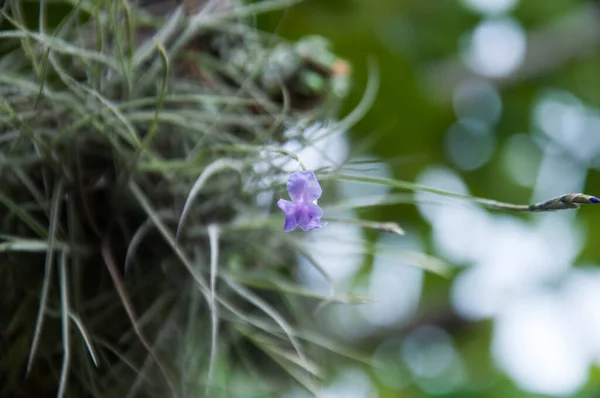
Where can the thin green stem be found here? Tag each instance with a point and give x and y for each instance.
(564, 202)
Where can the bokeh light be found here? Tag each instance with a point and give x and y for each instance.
(495, 48)
(538, 347)
(490, 7)
(470, 144)
(394, 286)
(521, 158)
(477, 99)
(430, 355)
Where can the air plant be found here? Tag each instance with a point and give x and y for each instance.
(126, 142)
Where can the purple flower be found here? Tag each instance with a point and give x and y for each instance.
(304, 189)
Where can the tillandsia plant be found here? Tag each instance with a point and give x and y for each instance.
(135, 139)
(130, 234)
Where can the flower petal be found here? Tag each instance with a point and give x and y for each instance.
(304, 187)
(291, 222)
(291, 218)
(315, 223)
(309, 216)
(287, 206)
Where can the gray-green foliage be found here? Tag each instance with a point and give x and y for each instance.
(125, 143)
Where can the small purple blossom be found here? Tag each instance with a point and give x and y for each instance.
(304, 190)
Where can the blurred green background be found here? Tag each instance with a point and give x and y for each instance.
(500, 99)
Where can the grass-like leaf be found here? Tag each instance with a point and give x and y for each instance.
(268, 309)
(65, 311)
(287, 288)
(213, 236)
(217, 166)
(53, 226)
